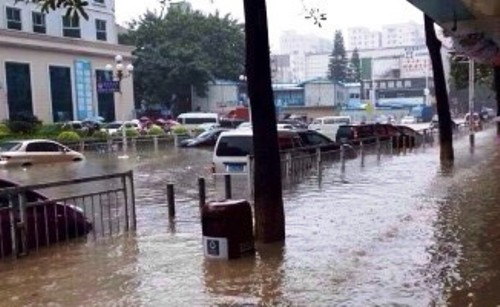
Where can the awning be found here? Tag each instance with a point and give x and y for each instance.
(474, 25)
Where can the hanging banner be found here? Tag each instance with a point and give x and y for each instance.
(84, 89)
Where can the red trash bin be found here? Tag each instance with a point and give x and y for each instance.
(227, 229)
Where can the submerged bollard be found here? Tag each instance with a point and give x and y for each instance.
(379, 149)
(342, 158)
(318, 160)
(362, 152)
(227, 186)
(155, 142)
(171, 201)
(202, 192)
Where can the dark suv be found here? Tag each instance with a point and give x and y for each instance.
(368, 134)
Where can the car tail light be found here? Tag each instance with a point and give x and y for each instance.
(355, 133)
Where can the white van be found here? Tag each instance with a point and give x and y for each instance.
(330, 124)
(194, 119)
(233, 148)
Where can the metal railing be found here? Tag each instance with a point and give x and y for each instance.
(116, 144)
(30, 220)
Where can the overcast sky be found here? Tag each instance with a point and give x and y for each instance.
(289, 14)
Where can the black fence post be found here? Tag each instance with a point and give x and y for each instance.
(202, 192)
(171, 200)
(227, 184)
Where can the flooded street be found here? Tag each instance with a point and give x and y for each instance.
(406, 231)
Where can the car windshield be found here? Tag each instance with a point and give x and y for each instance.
(114, 126)
(235, 146)
(10, 146)
(205, 135)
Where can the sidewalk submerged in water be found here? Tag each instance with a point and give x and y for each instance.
(384, 234)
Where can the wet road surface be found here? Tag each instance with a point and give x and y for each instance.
(403, 232)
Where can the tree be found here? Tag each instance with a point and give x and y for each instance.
(337, 69)
(180, 49)
(443, 106)
(269, 211)
(459, 73)
(72, 6)
(355, 67)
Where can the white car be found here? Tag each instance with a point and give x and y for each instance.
(208, 126)
(408, 120)
(115, 127)
(29, 152)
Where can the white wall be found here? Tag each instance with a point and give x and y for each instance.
(220, 98)
(54, 19)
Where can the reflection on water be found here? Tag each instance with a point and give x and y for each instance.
(406, 231)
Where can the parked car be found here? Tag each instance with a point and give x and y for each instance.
(245, 125)
(369, 133)
(411, 138)
(29, 152)
(233, 147)
(435, 123)
(117, 126)
(207, 138)
(48, 220)
(208, 126)
(354, 134)
(297, 124)
(330, 124)
(409, 120)
(314, 139)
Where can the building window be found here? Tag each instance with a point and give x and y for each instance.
(71, 26)
(39, 25)
(408, 83)
(61, 93)
(382, 84)
(399, 84)
(100, 27)
(390, 84)
(14, 18)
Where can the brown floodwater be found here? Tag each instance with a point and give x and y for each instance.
(403, 232)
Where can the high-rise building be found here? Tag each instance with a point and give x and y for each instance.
(297, 45)
(395, 35)
(363, 38)
(51, 64)
(403, 34)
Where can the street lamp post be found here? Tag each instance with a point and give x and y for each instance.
(120, 72)
(472, 81)
(243, 80)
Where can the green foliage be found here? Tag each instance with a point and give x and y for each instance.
(459, 73)
(155, 130)
(100, 135)
(131, 132)
(354, 67)
(4, 130)
(183, 48)
(23, 124)
(73, 7)
(197, 131)
(68, 137)
(179, 130)
(49, 131)
(337, 69)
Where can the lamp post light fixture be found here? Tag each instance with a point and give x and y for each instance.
(119, 72)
